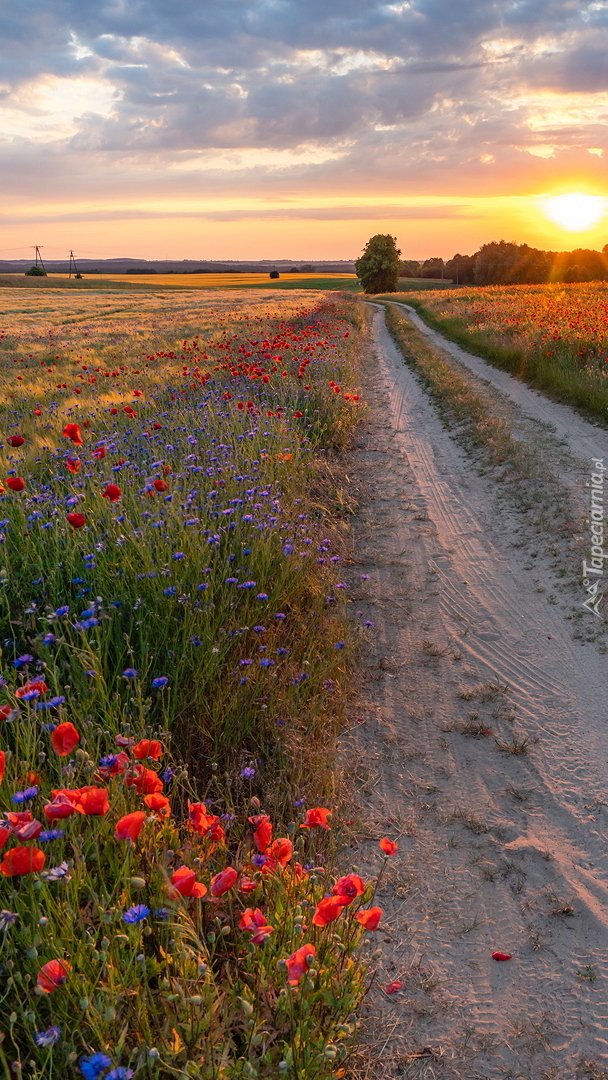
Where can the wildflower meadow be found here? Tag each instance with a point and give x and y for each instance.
(552, 336)
(174, 662)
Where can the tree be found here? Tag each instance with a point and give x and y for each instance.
(379, 267)
(35, 271)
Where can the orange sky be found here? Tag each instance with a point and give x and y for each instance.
(297, 131)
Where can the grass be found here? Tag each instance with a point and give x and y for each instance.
(553, 337)
(173, 670)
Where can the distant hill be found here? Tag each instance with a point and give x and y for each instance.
(183, 266)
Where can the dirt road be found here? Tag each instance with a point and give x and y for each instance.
(483, 749)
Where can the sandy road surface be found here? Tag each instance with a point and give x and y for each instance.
(498, 850)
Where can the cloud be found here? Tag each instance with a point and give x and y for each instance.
(274, 96)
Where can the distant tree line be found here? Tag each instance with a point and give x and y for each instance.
(504, 263)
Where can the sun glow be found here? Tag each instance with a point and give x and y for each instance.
(575, 212)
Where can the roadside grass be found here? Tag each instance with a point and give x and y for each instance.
(568, 365)
(469, 413)
(174, 666)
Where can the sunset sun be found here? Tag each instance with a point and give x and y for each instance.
(575, 212)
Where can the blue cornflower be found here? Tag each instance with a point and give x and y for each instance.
(159, 682)
(205, 585)
(162, 913)
(130, 673)
(339, 645)
(48, 639)
(266, 662)
(259, 860)
(283, 652)
(245, 663)
(48, 1037)
(247, 585)
(50, 834)
(260, 629)
(262, 596)
(280, 615)
(24, 796)
(179, 555)
(91, 674)
(21, 660)
(248, 773)
(120, 1073)
(171, 591)
(136, 913)
(300, 802)
(167, 775)
(231, 580)
(92, 1067)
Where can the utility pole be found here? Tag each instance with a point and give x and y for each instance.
(39, 256)
(72, 264)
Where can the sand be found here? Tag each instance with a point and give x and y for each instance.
(472, 655)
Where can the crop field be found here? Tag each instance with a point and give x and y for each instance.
(174, 663)
(147, 282)
(552, 336)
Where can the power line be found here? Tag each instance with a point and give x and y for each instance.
(39, 256)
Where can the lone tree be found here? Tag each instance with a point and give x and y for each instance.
(379, 267)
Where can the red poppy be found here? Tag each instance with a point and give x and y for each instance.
(72, 431)
(393, 987)
(280, 852)
(185, 883)
(389, 847)
(145, 781)
(22, 860)
(255, 923)
(119, 765)
(148, 748)
(64, 738)
(130, 825)
(501, 956)
(112, 492)
(37, 412)
(15, 440)
(160, 485)
(350, 886)
(32, 684)
(73, 465)
(6, 710)
(369, 918)
(114, 412)
(99, 452)
(263, 831)
(76, 520)
(53, 974)
(159, 804)
(129, 410)
(24, 826)
(317, 815)
(206, 825)
(329, 908)
(4, 835)
(247, 885)
(15, 483)
(61, 807)
(223, 881)
(297, 963)
(158, 427)
(93, 801)
(2, 765)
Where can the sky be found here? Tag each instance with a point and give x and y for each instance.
(296, 129)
